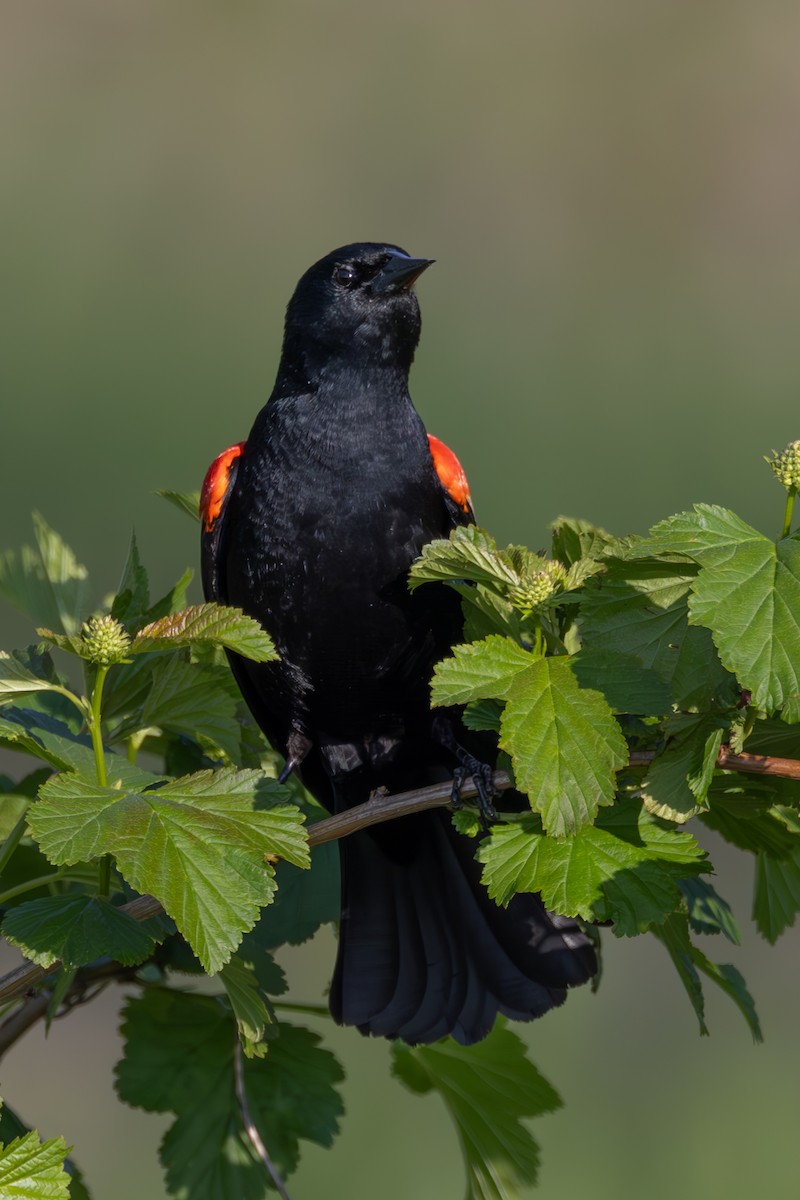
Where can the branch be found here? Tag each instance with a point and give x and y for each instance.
(250, 1127)
(36, 1005)
(387, 808)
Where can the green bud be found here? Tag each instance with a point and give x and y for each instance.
(786, 465)
(105, 640)
(537, 586)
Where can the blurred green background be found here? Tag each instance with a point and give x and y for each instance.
(611, 191)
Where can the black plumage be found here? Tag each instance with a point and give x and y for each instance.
(331, 499)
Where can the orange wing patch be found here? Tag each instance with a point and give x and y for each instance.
(451, 473)
(215, 485)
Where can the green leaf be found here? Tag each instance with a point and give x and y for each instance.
(180, 697)
(209, 624)
(76, 929)
(17, 680)
(185, 502)
(748, 594)
(12, 1127)
(746, 818)
(197, 844)
(178, 1058)
(489, 1090)
(677, 783)
(486, 613)
(172, 601)
(483, 714)
(52, 741)
(776, 896)
(479, 670)
(673, 934)
(253, 1015)
(574, 539)
(627, 686)
(34, 1170)
(470, 554)
(624, 869)
(565, 745)
(132, 599)
(731, 982)
(304, 901)
(48, 584)
(689, 960)
(708, 912)
(640, 609)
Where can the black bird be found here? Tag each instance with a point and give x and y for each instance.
(310, 526)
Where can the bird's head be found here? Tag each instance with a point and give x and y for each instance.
(357, 302)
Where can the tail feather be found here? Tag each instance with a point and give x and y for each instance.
(424, 951)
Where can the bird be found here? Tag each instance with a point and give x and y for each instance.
(310, 526)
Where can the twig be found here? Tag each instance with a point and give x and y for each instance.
(250, 1127)
(35, 1006)
(22, 1018)
(388, 808)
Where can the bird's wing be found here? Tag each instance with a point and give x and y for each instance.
(217, 487)
(453, 480)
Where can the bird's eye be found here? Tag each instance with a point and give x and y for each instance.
(345, 276)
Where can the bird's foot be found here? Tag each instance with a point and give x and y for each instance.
(482, 776)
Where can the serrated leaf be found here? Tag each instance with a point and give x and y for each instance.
(689, 960)
(52, 741)
(185, 502)
(76, 929)
(252, 1013)
(564, 742)
(747, 593)
(708, 912)
(489, 1090)
(467, 822)
(470, 554)
(625, 868)
(776, 894)
(172, 601)
(17, 680)
(574, 539)
(178, 1058)
(486, 612)
(11, 1127)
(673, 934)
(640, 609)
(677, 783)
(479, 670)
(132, 598)
(627, 686)
(34, 1170)
(732, 983)
(210, 624)
(197, 844)
(48, 584)
(746, 818)
(304, 901)
(185, 697)
(483, 715)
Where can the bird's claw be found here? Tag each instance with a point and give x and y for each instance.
(483, 777)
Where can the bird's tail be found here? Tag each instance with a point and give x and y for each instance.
(425, 952)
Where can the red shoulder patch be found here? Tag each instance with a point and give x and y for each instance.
(215, 485)
(451, 473)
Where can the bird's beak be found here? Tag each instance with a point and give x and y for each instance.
(399, 272)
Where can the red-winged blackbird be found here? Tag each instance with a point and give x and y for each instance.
(310, 526)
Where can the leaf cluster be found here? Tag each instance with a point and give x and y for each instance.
(611, 672)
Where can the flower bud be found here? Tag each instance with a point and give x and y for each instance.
(537, 586)
(105, 640)
(786, 465)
